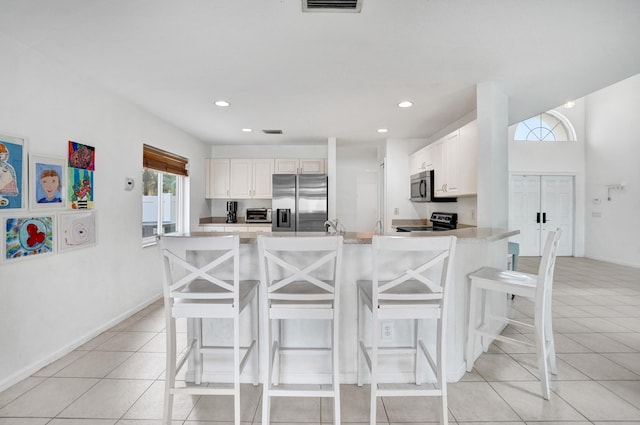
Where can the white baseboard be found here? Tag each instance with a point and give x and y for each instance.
(614, 261)
(29, 370)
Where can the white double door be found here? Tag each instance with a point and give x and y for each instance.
(538, 205)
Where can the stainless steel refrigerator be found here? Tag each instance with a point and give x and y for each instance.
(299, 203)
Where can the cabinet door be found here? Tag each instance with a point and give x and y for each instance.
(445, 160)
(241, 177)
(451, 147)
(262, 172)
(415, 162)
(212, 228)
(217, 179)
(311, 166)
(421, 160)
(439, 167)
(468, 160)
(260, 229)
(235, 229)
(286, 166)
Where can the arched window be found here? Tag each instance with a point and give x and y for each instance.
(549, 126)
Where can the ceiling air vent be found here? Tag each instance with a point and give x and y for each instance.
(272, 131)
(331, 5)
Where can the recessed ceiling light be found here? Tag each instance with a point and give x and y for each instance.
(383, 130)
(570, 104)
(247, 130)
(405, 104)
(221, 103)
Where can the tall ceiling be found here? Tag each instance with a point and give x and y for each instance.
(319, 75)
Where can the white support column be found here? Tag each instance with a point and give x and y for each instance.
(332, 174)
(493, 166)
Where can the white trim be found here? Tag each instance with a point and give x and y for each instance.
(29, 370)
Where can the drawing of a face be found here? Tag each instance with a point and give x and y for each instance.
(50, 185)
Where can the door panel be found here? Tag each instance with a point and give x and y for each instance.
(525, 206)
(557, 204)
(538, 205)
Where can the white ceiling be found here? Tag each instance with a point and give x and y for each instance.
(319, 75)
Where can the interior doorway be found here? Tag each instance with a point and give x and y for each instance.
(539, 204)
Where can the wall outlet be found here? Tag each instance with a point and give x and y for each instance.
(387, 330)
(396, 211)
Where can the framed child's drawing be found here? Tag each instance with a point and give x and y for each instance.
(47, 182)
(13, 173)
(76, 230)
(81, 167)
(27, 236)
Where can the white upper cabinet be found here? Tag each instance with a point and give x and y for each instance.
(239, 178)
(217, 179)
(299, 166)
(446, 174)
(468, 159)
(421, 160)
(262, 181)
(456, 163)
(454, 158)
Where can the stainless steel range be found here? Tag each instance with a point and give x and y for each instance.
(439, 220)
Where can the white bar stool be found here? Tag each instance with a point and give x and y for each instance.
(411, 279)
(536, 287)
(300, 280)
(212, 290)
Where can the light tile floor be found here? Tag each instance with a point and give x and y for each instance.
(117, 378)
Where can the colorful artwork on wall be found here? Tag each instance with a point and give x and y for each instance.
(81, 169)
(28, 236)
(76, 230)
(81, 156)
(47, 178)
(13, 169)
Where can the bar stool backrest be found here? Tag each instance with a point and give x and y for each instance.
(300, 268)
(545, 273)
(424, 280)
(186, 275)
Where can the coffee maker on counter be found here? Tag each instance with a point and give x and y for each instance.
(232, 209)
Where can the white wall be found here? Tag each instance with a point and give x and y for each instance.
(612, 156)
(52, 304)
(357, 187)
(397, 180)
(562, 158)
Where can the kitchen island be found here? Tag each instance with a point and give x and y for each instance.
(476, 247)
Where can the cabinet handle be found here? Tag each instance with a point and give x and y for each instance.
(538, 218)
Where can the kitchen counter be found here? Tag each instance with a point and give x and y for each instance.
(476, 247)
(465, 235)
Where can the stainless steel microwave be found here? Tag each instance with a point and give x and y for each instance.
(422, 188)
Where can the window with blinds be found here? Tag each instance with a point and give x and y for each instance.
(164, 161)
(163, 197)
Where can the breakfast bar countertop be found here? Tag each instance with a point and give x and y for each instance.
(465, 235)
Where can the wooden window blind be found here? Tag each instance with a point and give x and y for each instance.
(160, 160)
